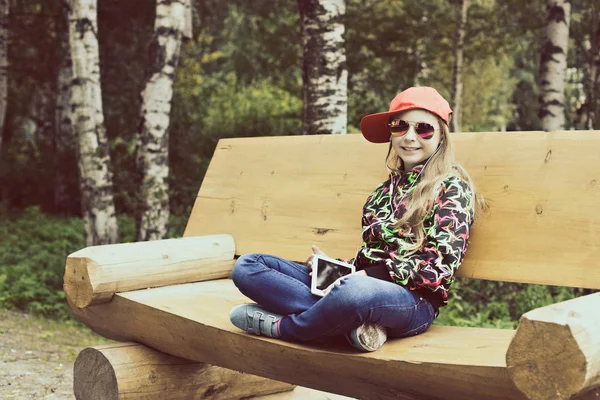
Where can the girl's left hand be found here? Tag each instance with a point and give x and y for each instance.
(339, 281)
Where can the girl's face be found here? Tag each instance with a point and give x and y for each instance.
(417, 144)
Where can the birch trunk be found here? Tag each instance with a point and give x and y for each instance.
(153, 139)
(188, 31)
(88, 124)
(3, 63)
(63, 134)
(457, 82)
(553, 64)
(325, 74)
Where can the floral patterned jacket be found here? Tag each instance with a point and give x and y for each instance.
(429, 271)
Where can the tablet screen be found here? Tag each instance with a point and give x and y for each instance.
(328, 272)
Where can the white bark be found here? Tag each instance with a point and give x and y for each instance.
(153, 139)
(4, 6)
(325, 73)
(553, 65)
(457, 82)
(88, 124)
(188, 31)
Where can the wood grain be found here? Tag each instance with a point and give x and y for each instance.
(131, 371)
(555, 353)
(191, 321)
(93, 275)
(279, 195)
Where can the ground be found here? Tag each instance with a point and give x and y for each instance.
(37, 356)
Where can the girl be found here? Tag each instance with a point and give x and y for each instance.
(415, 233)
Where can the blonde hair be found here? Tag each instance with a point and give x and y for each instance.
(438, 168)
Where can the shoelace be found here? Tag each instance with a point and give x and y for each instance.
(256, 319)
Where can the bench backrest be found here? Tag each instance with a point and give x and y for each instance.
(279, 195)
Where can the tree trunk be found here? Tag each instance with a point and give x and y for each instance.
(88, 124)
(188, 31)
(325, 74)
(3, 63)
(457, 82)
(153, 140)
(553, 64)
(63, 133)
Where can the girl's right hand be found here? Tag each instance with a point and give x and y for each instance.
(309, 260)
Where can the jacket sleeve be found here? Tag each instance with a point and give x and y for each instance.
(447, 230)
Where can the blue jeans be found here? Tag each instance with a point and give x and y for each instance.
(283, 287)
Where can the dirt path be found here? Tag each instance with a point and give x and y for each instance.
(37, 356)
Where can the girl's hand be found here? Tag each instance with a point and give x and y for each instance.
(309, 260)
(362, 272)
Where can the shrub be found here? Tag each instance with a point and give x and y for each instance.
(33, 250)
(493, 304)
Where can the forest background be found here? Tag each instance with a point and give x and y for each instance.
(241, 75)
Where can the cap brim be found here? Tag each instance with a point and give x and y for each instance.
(375, 128)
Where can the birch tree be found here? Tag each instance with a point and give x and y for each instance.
(3, 63)
(553, 64)
(457, 81)
(153, 140)
(325, 74)
(88, 124)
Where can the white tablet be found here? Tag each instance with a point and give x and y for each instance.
(325, 271)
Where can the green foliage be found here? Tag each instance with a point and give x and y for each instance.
(33, 250)
(241, 50)
(491, 304)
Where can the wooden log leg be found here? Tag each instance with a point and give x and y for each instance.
(555, 353)
(131, 371)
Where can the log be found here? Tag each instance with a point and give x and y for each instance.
(555, 353)
(93, 275)
(192, 321)
(131, 371)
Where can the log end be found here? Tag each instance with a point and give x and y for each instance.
(94, 377)
(545, 362)
(77, 284)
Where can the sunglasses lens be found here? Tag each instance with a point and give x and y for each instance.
(424, 130)
(398, 127)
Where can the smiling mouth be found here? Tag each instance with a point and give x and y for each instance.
(410, 148)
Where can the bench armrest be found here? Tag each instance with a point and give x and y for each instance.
(555, 353)
(94, 274)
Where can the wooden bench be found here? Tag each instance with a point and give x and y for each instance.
(279, 195)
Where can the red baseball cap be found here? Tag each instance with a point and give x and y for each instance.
(374, 127)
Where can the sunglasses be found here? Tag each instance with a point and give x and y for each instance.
(399, 127)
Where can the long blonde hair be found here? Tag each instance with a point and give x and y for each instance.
(439, 167)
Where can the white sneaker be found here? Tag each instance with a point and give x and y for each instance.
(367, 337)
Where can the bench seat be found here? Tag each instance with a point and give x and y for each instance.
(191, 321)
